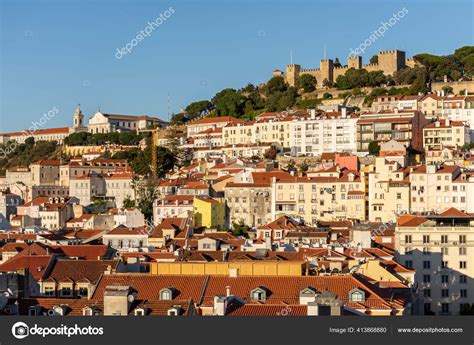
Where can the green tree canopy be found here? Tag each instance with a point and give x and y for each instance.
(306, 82)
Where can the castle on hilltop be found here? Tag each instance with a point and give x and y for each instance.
(389, 62)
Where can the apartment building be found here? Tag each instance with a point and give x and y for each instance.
(385, 103)
(45, 172)
(404, 126)
(437, 187)
(431, 105)
(440, 248)
(8, 205)
(445, 133)
(389, 191)
(323, 132)
(460, 108)
(213, 123)
(276, 131)
(79, 167)
(328, 194)
(172, 206)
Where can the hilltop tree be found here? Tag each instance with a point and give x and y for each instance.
(196, 109)
(275, 85)
(229, 102)
(306, 82)
(374, 59)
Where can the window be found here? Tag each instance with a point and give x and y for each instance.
(444, 238)
(165, 295)
(427, 308)
(462, 251)
(49, 291)
(426, 265)
(462, 279)
(426, 239)
(407, 238)
(462, 264)
(462, 238)
(82, 291)
(356, 295)
(66, 291)
(463, 293)
(445, 250)
(427, 292)
(444, 292)
(409, 264)
(444, 278)
(258, 294)
(445, 308)
(444, 264)
(426, 278)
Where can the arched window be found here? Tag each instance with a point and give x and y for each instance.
(356, 295)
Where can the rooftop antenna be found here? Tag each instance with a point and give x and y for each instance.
(168, 103)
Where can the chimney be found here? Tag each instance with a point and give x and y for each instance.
(313, 114)
(227, 290)
(442, 93)
(446, 122)
(220, 305)
(344, 112)
(313, 309)
(233, 272)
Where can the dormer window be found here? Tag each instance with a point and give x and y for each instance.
(356, 295)
(166, 294)
(259, 294)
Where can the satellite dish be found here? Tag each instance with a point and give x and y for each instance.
(130, 298)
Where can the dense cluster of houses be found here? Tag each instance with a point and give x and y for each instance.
(320, 228)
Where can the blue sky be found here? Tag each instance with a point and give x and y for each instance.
(60, 53)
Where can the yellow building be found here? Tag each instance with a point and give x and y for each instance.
(389, 191)
(209, 212)
(330, 194)
(445, 133)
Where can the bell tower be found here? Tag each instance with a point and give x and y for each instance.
(78, 118)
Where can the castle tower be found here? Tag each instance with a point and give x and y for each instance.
(391, 61)
(78, 118)
(354, 62)
(326, 66)
(292, 73)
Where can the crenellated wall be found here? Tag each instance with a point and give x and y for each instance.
(389, 61)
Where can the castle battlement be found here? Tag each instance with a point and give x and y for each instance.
(394, 51)
(389, 62)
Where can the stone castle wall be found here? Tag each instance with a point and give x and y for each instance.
(389, 62)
